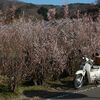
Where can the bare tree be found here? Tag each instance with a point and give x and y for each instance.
(42, 50)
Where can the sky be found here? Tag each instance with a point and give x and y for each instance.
(58, 2)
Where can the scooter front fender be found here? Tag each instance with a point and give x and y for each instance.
(80, 72)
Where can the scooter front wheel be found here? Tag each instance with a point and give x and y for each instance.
(78, 81)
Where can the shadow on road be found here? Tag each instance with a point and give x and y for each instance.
(53, 95)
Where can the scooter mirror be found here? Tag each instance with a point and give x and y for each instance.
(83, 58)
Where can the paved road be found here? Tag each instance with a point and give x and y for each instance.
(92, 93)
(86, 93)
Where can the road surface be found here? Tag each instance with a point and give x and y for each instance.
(92, 93)
(88, 93)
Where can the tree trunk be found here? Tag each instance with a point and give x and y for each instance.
(12, 84)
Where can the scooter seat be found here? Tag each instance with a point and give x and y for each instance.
(95, 67)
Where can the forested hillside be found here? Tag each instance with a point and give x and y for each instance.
(40, 11)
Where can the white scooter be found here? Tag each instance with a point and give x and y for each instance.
(88, 72)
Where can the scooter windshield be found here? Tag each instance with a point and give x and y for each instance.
(82, 64)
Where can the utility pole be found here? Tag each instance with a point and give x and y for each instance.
(78, 10)
(65, 9)
(65, 2)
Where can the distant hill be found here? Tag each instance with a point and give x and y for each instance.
(39, 11)
(84, 8)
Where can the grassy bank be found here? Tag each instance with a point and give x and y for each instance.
(49, 86)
